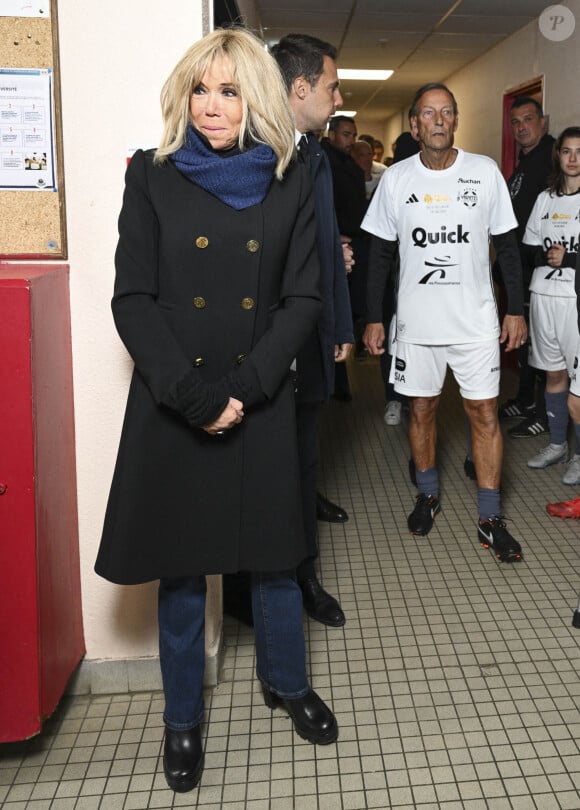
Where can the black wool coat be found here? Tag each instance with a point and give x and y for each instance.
(210, 302)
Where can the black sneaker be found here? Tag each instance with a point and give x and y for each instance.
(532, 426)
(493, 534)
(469, 469)
(420, 521)
(516, 409)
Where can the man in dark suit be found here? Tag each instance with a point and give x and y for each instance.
(308, 67)
(350, 204)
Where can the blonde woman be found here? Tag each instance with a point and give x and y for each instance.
(216, 289)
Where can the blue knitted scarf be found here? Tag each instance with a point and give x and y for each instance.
(239, 179)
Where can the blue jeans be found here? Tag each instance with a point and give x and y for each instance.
(280, 648)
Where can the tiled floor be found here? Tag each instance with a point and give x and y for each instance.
(455, 680)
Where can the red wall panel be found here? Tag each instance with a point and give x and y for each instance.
(41, 639)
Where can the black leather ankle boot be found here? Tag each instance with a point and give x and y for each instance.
(183, 759)
(312, 718)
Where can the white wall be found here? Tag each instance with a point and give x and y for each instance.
(525, 55)
(480, 86)
(114, 57)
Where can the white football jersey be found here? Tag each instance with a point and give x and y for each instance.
(443, 221)
(554, 219)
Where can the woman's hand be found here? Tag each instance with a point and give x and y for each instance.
(231, 415)
(555, 255)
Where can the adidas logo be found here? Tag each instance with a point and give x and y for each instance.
(546, 216)
(536, 428)
(412, 199)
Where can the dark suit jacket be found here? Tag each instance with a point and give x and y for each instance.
(350, 199)
(315, 361)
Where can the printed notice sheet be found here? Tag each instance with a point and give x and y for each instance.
(26, 132)
(20, 8)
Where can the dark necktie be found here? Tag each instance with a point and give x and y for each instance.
(303, 150)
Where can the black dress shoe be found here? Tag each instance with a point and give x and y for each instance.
(320, 605)
(328, 511)
(469, 469)
(312, 718)
(183, 759)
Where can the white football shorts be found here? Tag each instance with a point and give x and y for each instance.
(553, 332)
(419, 371)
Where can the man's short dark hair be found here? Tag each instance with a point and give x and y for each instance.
(339, 119)
(302, 55)
(368, 138)
(520, 101)
(425, 89)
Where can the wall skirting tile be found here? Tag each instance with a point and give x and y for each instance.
(106, 677)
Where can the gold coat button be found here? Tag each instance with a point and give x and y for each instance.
(240, 358)
(247, 303)
(199, 361)
(202, 242)
(253, 245)
(199, 302)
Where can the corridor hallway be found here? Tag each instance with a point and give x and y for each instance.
(455, 680)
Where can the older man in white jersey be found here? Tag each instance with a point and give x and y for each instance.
(441, 207)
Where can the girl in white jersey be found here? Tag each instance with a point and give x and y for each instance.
(552, 234)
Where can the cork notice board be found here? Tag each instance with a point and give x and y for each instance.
(32, 222)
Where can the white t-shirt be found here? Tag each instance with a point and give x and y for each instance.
(554, 219)
(443, 221)
(370, 185)
(378, 169)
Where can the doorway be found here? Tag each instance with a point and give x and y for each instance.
(533, 88)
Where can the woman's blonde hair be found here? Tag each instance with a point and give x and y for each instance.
(266, 115)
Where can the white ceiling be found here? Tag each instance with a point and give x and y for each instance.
(421, 40)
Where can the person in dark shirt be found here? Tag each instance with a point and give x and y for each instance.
(350, 204)
(405, 146)
(529, 178)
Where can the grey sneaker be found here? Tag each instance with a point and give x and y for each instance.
(572, 474)
(392, 415)
(552, 454)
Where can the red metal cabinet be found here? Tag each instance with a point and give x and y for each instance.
(41, 637)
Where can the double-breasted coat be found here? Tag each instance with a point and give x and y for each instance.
(210, 302)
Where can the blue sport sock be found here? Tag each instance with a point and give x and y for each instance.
(557, 410)
(488, 503)
(428, 482)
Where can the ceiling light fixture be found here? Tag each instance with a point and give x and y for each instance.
(348, 113)
(365, 75)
